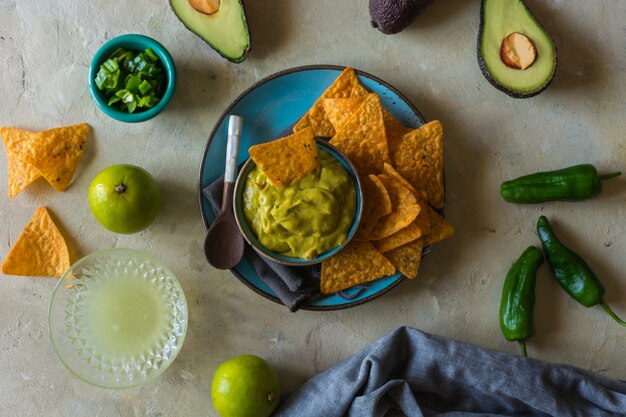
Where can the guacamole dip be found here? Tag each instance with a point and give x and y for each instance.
(305, 219)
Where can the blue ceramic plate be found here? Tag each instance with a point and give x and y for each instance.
(268, 108)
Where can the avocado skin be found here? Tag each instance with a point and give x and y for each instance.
(487, 74)
(392, 16)
(236, 60)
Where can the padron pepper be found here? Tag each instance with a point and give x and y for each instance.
(572, 272)
(575, 183)
(518, 298)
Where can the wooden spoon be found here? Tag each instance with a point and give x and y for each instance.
(223, 246)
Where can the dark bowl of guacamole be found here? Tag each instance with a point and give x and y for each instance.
(305, 222)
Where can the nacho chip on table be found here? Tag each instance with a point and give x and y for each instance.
(440, 229)
(407, 258)
(39, 251)
(56, 153)
(405, 209)
(287, 160)
(339, 110)
(355, 264)
(376, 204)
(316, 116)
(362, 138)
(401, 237)
(418, 157)
(21, 174)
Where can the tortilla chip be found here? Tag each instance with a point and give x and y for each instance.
(358, 91)
(401, 237)
(362, 138)
(391, 171)
(287, 160)
(355, 264)
(339, 110)
(56, 153)
(394, 129)
(316, 116)
(405, 209)
(439, 228)
(39, 251)
(376, 204)
(418, 157)
(21, 174)
(423, 219)
(407, 258)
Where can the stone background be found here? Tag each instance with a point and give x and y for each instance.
(46, 47)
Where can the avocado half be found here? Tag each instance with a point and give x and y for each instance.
(226, 31)
(498, 20)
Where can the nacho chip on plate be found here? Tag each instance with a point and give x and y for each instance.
(440, 229)
(56, 153)
(339, 110)
(423, 219)
(355, 264)
(316, 116)
(401, 237)
(362, 138)
(287, 160)
(391, 171)
(358, 91)
(394, 129)
(39, 251)
(376, 204)
(418, 157)
(407, 258)
(21, 174)
(405, 209)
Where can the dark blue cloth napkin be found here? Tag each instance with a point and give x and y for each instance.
(415, 374)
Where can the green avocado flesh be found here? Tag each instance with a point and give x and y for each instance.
(500, 18)
(226, 31)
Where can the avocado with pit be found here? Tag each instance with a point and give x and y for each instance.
(392, 16)
(515, 53)
(220, 23)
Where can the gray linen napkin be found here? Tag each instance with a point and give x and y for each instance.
(294, 286)
(412, 373)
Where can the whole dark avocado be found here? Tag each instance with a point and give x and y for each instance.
(515, 53)
(392, 16)
(220, 23)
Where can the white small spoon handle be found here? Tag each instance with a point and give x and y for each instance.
(232, 147)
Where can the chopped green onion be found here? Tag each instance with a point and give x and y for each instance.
(113, 100)
(151, 55)
(132, 83)
(148, 101)
(131, 79)
(144, 87)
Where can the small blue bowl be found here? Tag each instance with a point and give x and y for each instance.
(136, 43)
(249, 235)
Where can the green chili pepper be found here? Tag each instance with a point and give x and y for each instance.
(518, 298)
(572, 272)
(575, 183)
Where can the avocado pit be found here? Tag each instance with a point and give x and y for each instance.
(205, 6)
(518, 51)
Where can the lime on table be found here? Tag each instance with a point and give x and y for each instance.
(245, 386)
(124, 198)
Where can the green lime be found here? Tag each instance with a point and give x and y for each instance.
(245, 386)
(124, 198)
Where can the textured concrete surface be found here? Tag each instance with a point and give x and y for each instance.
(46, 47)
